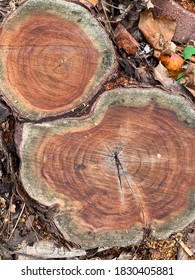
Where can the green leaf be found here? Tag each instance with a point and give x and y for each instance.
(180, 76)
(188, 52)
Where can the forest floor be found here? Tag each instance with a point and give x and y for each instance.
(27, 230)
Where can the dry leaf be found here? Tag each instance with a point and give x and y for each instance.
(89, 3)
(182, 255)
(191, 241)
(173, 64)
(189, 77)
(125, 40)
(169, 47)
(161, 74)
(157, 30)
(29, 221)
(2, 202)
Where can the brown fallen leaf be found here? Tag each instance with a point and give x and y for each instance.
(188, 78)
(89, 3)
(29, 222)
(191, 241)
(125, 40)
(157, 30)
(173, 63)
(161, 74)
(169, 47)
(2, 202)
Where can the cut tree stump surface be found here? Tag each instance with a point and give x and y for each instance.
(129, 164)
(54, 56)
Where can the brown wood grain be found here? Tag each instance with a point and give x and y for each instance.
(51, 62)
(134, 166)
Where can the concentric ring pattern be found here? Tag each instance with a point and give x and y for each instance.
(51, 61)
(136, 166)
(54, 56)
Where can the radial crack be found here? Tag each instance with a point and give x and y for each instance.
(119, 167)
(135, 191)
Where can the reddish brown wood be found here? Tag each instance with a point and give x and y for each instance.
(43, 64)
(128, 165)
(50, 61)
(125, 40)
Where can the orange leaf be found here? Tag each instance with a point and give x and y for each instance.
(173, 63)
(89, 3)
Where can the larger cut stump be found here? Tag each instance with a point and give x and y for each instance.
(129, 164)
(54, 56)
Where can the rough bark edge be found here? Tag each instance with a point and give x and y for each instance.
(134, 97)
(90, 26)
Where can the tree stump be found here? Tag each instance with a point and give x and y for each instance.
(54, 56)
(126, 165)
(129, 164)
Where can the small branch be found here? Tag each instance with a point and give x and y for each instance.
(107, 18)
(21, 212)
(123, 15)
(7, 218)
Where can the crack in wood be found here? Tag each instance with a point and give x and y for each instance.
(119, 167)
(137, 193)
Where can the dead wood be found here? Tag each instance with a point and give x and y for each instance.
(54, 56)
(128, 165)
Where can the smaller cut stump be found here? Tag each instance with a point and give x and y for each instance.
(129, 164)
(54, 56)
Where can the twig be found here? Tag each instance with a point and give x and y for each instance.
(36, 233)
(123, 15)
(110, 5)
(107, 18)
(21, 212)
(7, 218)
(185, 248)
